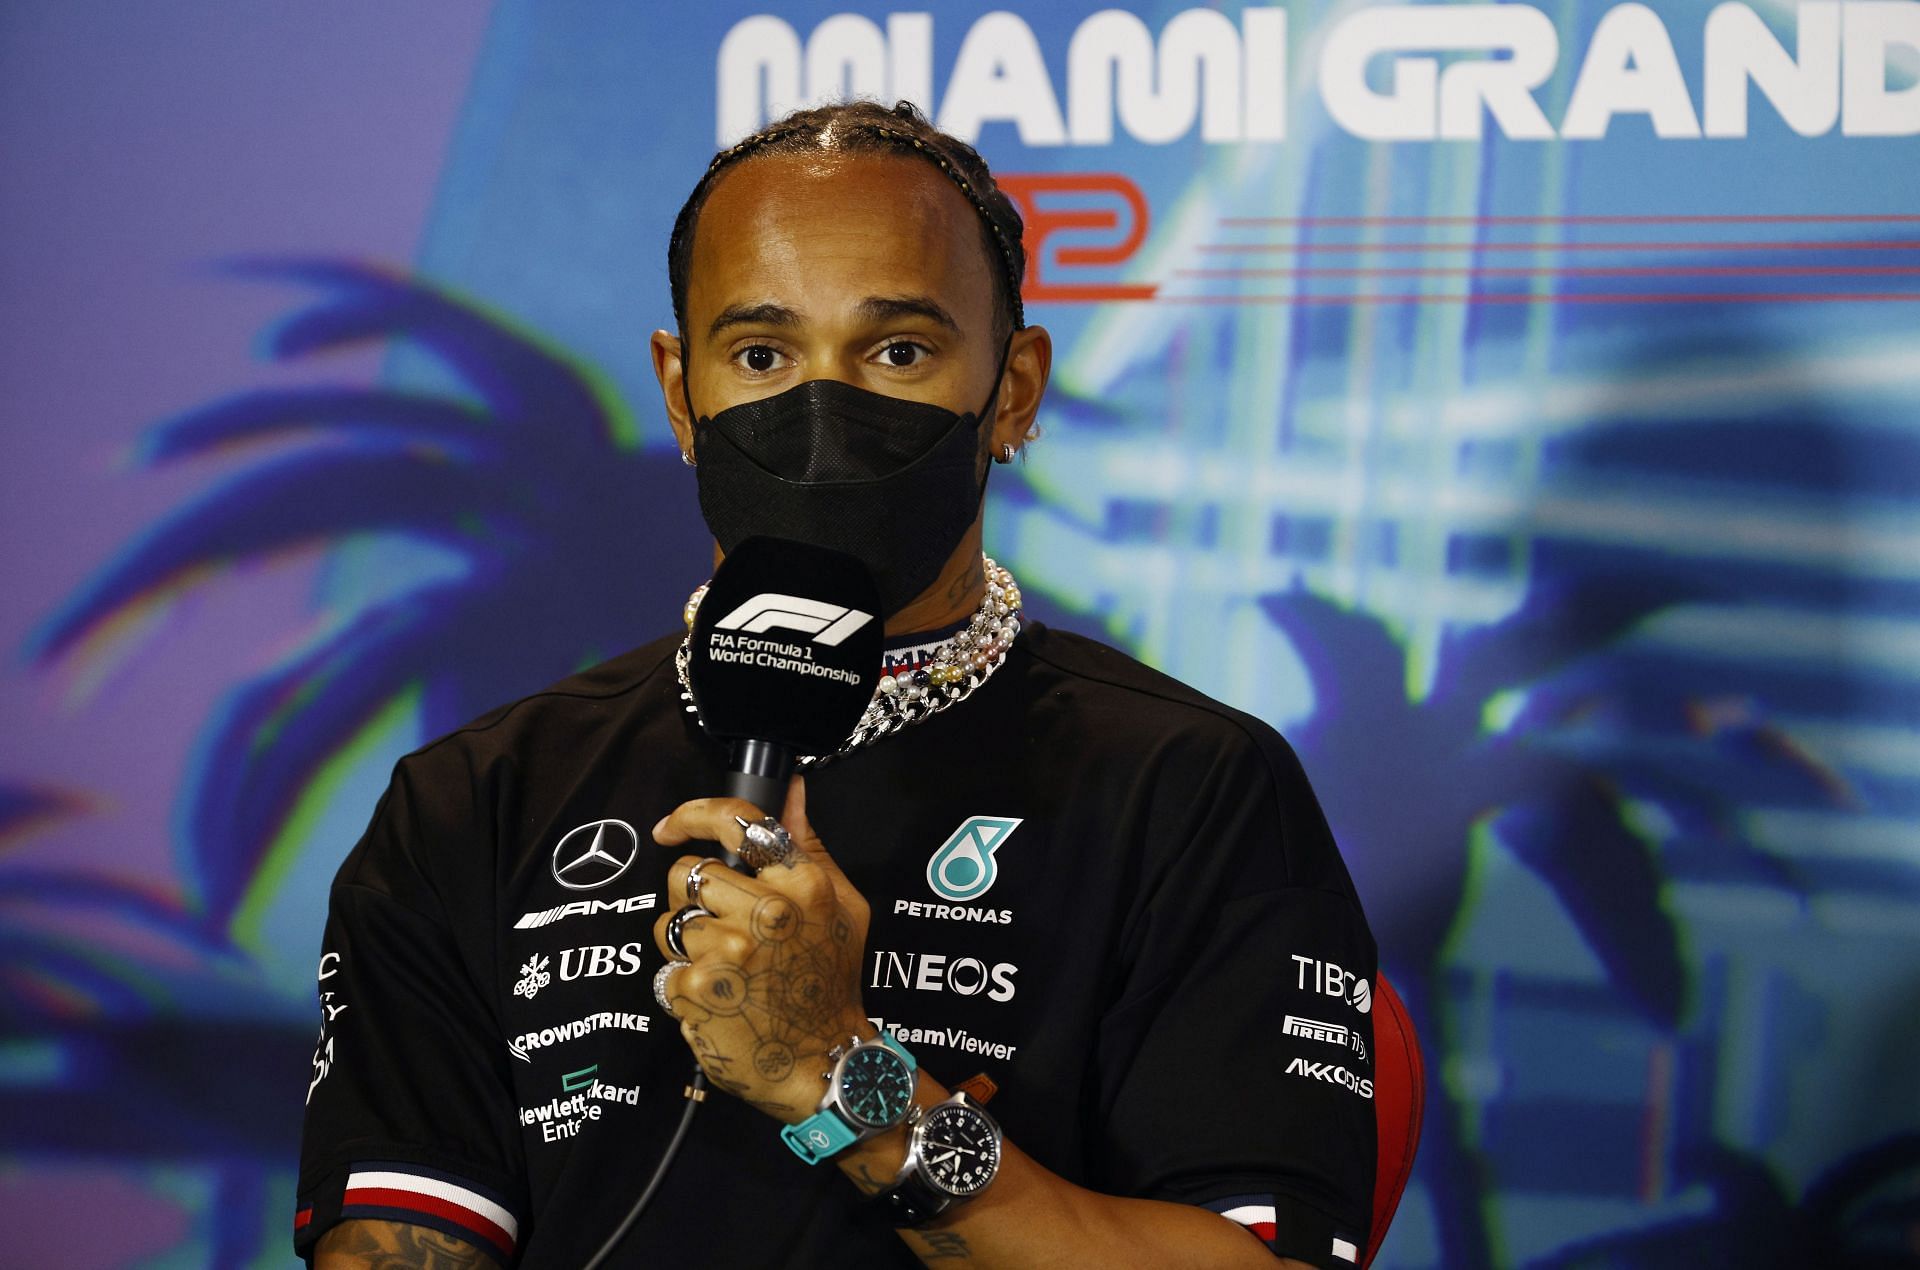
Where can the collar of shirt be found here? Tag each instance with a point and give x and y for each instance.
(908, 653)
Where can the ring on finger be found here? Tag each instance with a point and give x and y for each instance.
(676, 928)
(695, 881)
(660, 978)
(766, 842)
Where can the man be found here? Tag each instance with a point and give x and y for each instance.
(1106, 904)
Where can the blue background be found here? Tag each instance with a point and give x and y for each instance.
(1578, 557)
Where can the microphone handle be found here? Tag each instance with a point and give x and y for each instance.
(758, 773)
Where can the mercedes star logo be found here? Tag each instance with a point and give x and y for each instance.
(603, 854)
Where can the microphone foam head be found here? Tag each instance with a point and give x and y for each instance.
(786, 645)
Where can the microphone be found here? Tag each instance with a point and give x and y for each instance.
(783, 660)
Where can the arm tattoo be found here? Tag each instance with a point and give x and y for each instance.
(390, 1245)
(863, 1177)
(940, 1245)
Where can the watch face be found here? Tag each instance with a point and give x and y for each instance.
(876, 1087)
(960, 1149)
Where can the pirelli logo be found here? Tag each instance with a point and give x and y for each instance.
(1314, 1030)
(583, 908)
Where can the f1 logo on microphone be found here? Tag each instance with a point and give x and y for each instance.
(825, 623)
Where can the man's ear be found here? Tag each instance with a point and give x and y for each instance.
(670, 368)
(1022, 384)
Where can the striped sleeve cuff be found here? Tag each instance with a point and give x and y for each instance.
(384, 1190)
(1292, 1230)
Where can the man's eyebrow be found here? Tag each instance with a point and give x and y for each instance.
(875, 308)
(753, 315)
(878, 308)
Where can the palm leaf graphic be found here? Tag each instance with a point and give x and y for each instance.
(561, 528)
(26, 808)
(1859, 1214)
(1560, 804)
(86, 944)
(139, 1019)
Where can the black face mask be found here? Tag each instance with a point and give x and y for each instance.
(893, 483)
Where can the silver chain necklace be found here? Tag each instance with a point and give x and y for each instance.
(959, 666)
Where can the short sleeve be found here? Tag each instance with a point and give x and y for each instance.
(1236, 1067)
(409, 1111)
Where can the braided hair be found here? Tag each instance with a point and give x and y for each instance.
(866, 127)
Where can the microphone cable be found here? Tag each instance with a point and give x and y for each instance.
(696, 1093)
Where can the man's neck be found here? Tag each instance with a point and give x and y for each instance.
(954, 596)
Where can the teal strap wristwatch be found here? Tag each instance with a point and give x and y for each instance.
(869, 1091)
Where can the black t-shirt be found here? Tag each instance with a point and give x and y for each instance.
(1111, 896)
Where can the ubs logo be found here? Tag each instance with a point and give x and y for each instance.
(594, 854)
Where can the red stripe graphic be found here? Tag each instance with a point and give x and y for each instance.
(1755, 218)
(433, 1206)
(301, 1219)
(1559, 297)
(1568, 271)
(1833, 244)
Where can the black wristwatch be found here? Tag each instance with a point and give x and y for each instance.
(954, 1151)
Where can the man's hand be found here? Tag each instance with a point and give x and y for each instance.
(775, 976)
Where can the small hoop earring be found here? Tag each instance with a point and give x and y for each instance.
(1006, 452)
(687, 459)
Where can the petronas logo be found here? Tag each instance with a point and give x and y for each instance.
(963, 867)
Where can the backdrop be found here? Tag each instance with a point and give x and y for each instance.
(1517, 405)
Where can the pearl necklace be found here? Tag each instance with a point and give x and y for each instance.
(959, 666)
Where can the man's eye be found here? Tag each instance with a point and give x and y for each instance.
(902, 353)
(759, 358)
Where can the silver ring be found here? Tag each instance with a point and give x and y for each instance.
(695, 881)
(767, 841)
(660, 978)
(676, 926)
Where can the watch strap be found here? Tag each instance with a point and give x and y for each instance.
(826, 1131)
(819, 1136)
(913, 1201)
(897, 1048)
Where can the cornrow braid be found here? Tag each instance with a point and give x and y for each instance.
(1015, 268)
(861, 126)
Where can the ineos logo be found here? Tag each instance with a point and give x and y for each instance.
(824, 623)
(581, 864)
(936, 972)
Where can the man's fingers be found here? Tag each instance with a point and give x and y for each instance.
(794, 814)
(701, 935)
(808, 849)
(722, 890)
(809, 874)
(707, 820)
(720, 820)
